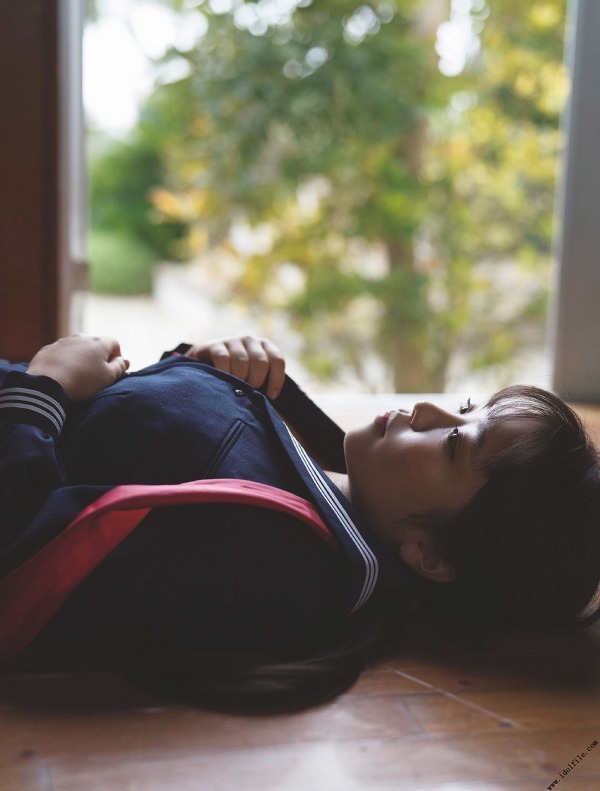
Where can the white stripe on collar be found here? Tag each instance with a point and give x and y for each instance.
(365, 551)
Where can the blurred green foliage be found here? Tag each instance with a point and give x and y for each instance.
(123, 177)
(401, 200)
(119, 264)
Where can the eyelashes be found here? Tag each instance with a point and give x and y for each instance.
(465, 407)
(454, 435)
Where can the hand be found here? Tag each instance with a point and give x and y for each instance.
(255, 360)
(81, 364)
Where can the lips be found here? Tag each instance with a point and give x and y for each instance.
(381, 421)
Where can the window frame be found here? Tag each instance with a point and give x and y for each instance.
(575, 319)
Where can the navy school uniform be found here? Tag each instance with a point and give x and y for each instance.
(211, 576)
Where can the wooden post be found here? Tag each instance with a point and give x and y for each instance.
(40, 158)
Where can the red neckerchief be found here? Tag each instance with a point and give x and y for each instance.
(32, 593)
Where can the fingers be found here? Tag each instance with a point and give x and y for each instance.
(110, 350)
(231, 356)
(118, 366)
(276, 369)
(112, 347)
(255, 360)
(81, 364)
(257, 365)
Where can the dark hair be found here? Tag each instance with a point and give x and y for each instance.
(527, 547)
(240, 682)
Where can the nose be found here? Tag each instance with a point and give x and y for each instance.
(427, 416)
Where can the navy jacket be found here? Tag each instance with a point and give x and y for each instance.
(219, 576)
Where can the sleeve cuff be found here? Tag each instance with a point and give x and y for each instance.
(36, 400)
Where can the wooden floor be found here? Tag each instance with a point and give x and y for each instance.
(453, 712)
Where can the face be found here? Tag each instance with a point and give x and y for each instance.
(406, 463)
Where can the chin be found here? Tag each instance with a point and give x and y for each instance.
(358, 439)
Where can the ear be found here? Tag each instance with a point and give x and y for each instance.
(423, 556)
